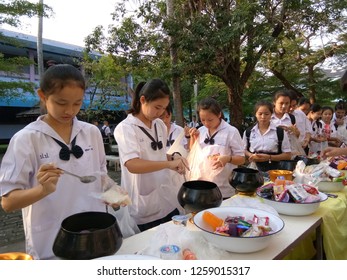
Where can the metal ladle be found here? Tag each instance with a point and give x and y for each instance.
(83, 179)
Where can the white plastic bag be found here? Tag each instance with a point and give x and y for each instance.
(252, 165)
(200, 165)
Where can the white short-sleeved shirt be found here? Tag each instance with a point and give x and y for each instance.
(175, 131)
(342, 131)
(295, 146)
(267, 142)
(226, 142)
(149, 193)
(28, 150)
(302, 123)
(317, 130)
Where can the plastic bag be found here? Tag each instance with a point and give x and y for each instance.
(252, 165)
(295, 146)
(171, 234)
(113, 194)
(200, 165)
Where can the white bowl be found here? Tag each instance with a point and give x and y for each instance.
(294, 209)
(325, 186)
(238, 244)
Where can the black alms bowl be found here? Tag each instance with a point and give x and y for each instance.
(88, 235)
(198, 195)
(246, 180)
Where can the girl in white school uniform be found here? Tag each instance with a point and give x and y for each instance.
(30, 179)
(281, 117)
(262, 146)
(220, 142)
(141, 139)
(173, 130)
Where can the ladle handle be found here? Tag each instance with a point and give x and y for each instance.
(67, 172)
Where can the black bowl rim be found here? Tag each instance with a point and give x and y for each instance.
(87, 213)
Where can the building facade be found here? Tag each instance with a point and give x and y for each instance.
(16, 112)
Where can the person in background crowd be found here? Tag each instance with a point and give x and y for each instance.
(221, 144)
(329, 129)
(281, 117)
(317, 139)
(141, 139)
(302, 122)
(304, 105)
(194, 123)
(173, 130)
(106, 132)
(261, 142)
(340, 121)
(31, 178)
(330, 151)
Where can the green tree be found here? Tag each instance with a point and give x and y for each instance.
(11, 13)
(225, 39)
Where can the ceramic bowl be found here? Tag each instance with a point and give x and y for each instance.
(197, 195)
(330, 186)
(292, 208)
(238, 244)
(325, 186)
(88, 235)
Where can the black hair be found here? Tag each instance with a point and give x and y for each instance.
(315, 107)
(281, 92)
(152, 90)
(340, 105)
(59, 76)
(265, 103)
(210, 104)
(169, 109)
(303, 100)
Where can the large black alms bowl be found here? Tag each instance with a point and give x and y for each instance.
(246, 180)
(88, 235)
(198, 195)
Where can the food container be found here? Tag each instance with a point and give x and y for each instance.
(197, 195)
(15, 256)
(324, 186)
(238, 244)
(170, 252)
(88, 235)
(294, 208)
(274, 174)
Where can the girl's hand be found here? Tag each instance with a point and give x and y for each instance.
(48, 176)
(177, 165)
(194, 132)
(259, 157)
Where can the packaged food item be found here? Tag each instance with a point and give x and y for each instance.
(212, 220)
(170, 252)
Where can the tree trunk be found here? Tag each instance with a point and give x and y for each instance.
(235, 108)
(176, 81)
(39, 41)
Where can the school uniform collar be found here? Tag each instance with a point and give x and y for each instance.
(285, 116)
(40, 125)
(255, 128)
(132, 120)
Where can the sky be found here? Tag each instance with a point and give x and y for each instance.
(72, 21)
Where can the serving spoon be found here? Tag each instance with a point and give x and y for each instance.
(83, 179)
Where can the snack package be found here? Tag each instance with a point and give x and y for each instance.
(297, 192)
